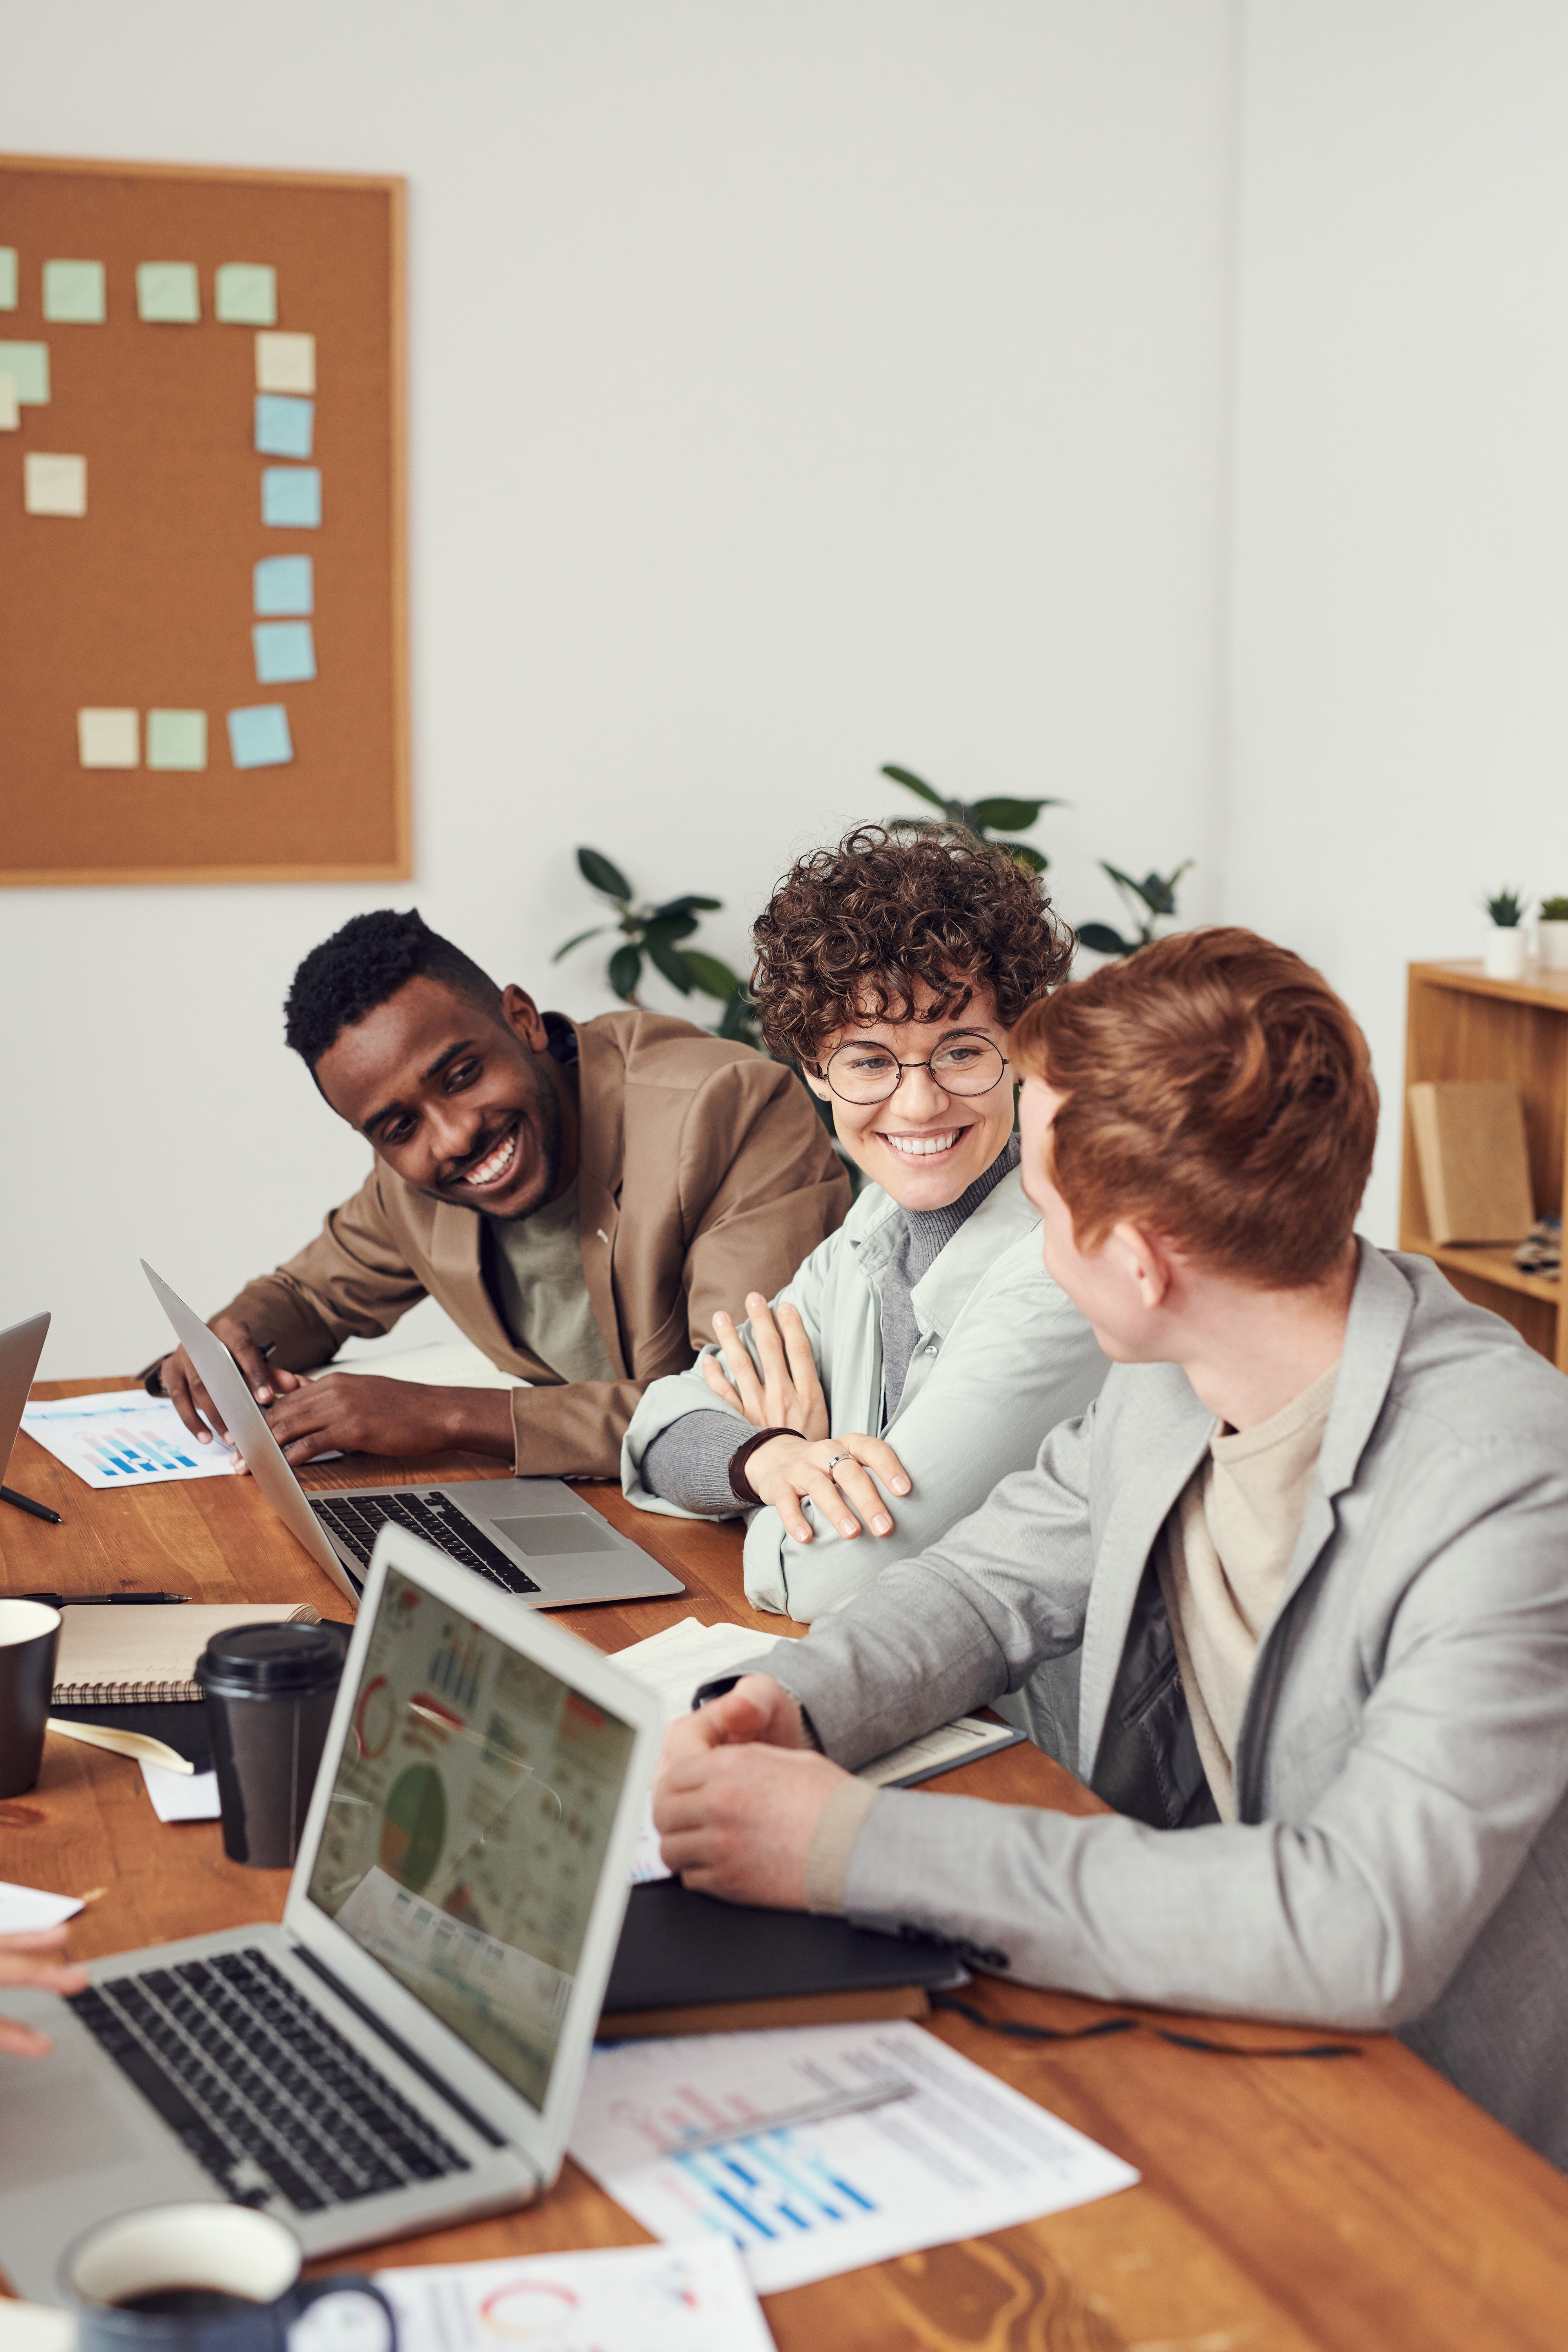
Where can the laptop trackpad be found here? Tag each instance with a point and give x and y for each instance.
(542, 1537)
(55, 2127)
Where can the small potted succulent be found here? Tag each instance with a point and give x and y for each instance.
(1503, 953)
(1552, 934)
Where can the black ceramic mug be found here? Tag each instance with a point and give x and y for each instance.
(195, 2278)
(269, 1691)
(29, 1636)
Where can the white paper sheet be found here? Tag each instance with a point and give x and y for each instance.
(652, 2099)
(125, 1438)
(963, 2156)
(688, 2298)
(23, 1907)
(181, 1796)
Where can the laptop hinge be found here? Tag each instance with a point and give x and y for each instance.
(427, 2072)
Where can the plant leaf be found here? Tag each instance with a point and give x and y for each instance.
(598, 930)
(1103, 940)
(668, 959)
(1022, 854)
(913, 783)
(711, 974)
(667, 927)
(687, 906)
(601, 875)
(626, 970)
(1007, 816)
(741, 1021)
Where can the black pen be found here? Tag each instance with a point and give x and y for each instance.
(26, 1503)
(100, 1600)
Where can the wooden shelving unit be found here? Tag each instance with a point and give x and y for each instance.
(1460, 1024)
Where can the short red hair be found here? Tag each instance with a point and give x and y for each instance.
(1218, 1092)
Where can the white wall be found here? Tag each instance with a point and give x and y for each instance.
(1401, 600)
(796, 384)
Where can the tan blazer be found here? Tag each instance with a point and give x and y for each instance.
(704, 1173)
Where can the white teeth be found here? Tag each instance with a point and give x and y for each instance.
(921, 1146)
(488, 1170)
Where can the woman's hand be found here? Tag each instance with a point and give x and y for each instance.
(35, 1959)
(836, 1473)
(788, 1395)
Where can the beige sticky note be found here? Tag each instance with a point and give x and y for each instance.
(54, 486)
(109, 738)
(285, 363)
(10, 408)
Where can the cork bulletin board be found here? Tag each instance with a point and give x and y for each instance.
(202, 672)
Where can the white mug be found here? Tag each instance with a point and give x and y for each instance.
(195, 2278)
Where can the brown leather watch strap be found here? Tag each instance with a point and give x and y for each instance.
(740, 1487)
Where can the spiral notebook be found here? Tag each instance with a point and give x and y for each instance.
(128, 1657)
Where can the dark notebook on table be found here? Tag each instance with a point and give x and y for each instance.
(687, 1963)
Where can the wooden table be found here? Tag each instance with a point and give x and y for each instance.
(1358, 2201)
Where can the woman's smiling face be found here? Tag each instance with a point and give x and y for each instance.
(925, 1144)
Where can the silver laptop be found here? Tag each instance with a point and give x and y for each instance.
(407, 2050)
(20, 1348)
(533, 1537)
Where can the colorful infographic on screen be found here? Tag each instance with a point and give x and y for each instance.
(467, 1828)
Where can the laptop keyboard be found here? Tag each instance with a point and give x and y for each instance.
(261, 2090)
(357, 1520)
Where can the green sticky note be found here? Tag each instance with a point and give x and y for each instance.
(28, 365)
(7, 276)
(167, 293)
(176, 738)
(248, 294)
(74, 294)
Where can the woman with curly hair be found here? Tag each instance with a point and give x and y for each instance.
(922, 1351)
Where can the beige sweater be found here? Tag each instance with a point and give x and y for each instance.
(1222, 1564)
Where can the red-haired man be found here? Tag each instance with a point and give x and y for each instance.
(1313, 1538)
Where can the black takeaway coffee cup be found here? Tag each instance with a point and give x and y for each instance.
(269, 1692)
(29, 1636)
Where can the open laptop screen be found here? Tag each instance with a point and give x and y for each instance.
(467, 1828)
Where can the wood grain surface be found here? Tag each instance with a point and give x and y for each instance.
(1284, 2203)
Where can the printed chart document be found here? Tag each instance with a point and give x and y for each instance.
(686, 2298)
(961, 2154)
(677, 1662)
(125, 1438)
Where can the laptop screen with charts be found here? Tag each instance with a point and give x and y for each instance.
(465, 1830)
(407, 2050)
(532, 1536)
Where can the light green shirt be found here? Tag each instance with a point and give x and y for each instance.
(1001, 1355)
(534, 1268)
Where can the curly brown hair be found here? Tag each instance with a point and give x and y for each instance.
(848, 932)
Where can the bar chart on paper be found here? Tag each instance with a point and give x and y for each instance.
(123, 1438)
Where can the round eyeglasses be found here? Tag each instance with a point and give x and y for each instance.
(964, 1064)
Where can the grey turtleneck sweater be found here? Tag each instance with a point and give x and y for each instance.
(689, 1463)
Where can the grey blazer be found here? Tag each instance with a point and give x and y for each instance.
(1401, 1855)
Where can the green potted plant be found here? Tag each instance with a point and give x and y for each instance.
(1552, 934)
(1503, 948)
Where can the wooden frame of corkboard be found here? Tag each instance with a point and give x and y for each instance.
(145, 601)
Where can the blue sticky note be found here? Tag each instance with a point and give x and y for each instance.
(74, 293)
(29, 363)
(292, 496)
(259, 738)
(284, 583)
(284, 427)
(285, 652)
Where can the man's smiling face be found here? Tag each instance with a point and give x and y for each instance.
(460, 1103)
